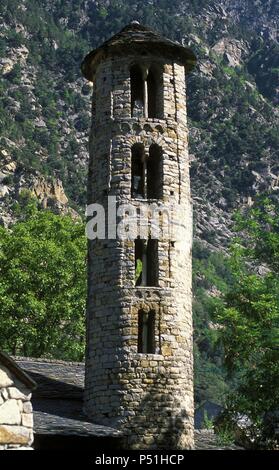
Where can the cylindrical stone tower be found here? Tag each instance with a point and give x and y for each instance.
(139, 364)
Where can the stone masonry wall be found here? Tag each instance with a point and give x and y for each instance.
(149, 396)
(16, 417)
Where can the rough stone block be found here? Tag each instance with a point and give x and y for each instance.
(27, 407)
(22, 448)
(10, 413)
(6, 379)
(14, 435)
(27, 420)
(4, 393)
(22, 394)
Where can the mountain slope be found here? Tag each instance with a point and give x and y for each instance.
(45, 102)
(45, 107)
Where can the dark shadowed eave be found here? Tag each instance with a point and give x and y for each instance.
(17, 371)
(136, 38)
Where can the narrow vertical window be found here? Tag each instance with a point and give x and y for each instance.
(147, 173)
(138, 172)
(155, 173)
(146, 332)
(146, 91)
(152, 95)
(146, 262)
(152, 262)
(139, 262)
(155, 92)
(137, 91)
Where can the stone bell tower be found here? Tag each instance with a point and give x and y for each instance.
(139, 364)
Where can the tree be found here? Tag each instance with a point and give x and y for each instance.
(42, 286)
(249, 313)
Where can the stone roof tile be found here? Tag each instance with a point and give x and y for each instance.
(54, 378)
(57, 401)
(134, 38)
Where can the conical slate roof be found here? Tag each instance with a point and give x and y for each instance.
(137, 38)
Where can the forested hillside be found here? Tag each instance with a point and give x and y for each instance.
(45, 102)
(233, 120)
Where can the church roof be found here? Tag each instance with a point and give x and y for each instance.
(54, 378)
(137, 38)
(57, 401)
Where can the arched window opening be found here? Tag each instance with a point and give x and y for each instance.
(147, 172)
(155, 93)
(154, 173)
(138, 172)
(146, 91)
(137, 91)
(146, 332)
(146, 262)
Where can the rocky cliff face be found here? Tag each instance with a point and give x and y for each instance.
(16, 178)
(232, 97)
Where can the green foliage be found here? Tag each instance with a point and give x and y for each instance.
(207, 422)
(233, 132)
(249, 312)
(26, 206)
(225, 437)
(262, 229)
(15, 75)
(42, 285)
(232, 144)
(210, 273)
(138, 270)
(264, 65)
(210, 379)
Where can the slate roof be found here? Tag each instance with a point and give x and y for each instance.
(137, 38)
(55, 379)
(57, 400)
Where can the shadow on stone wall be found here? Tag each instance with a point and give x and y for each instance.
(159, 421)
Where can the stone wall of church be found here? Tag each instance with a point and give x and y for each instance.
(16, 416)
(147, 395)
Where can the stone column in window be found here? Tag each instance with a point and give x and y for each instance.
(145, 90)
